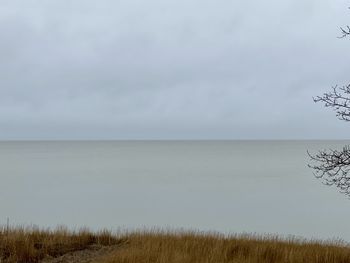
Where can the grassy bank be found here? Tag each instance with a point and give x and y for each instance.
(211, 248)
(33, 245)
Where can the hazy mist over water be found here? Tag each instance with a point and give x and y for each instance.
(226, 186)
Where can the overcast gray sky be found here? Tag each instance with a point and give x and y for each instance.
(177, 69)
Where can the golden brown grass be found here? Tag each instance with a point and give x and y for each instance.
(162, 247)
(31, 245)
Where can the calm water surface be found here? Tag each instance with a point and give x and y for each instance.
(226, 186)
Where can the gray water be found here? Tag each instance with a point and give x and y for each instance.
(227, 186)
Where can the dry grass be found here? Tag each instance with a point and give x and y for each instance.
(162, 247)
(26, 245)
(31, 244)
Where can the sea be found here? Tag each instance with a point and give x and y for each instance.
(231, 187)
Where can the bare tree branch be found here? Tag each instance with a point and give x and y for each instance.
(333, 166)
(345, 31)
(339, 100)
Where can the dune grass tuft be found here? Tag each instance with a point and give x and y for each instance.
(31, 244)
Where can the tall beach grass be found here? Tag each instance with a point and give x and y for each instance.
(195, 247)
(32, 244)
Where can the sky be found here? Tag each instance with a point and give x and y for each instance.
(177, 69)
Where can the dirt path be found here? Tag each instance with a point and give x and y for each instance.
(88, 255)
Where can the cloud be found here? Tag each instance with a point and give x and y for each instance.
(175, 69)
